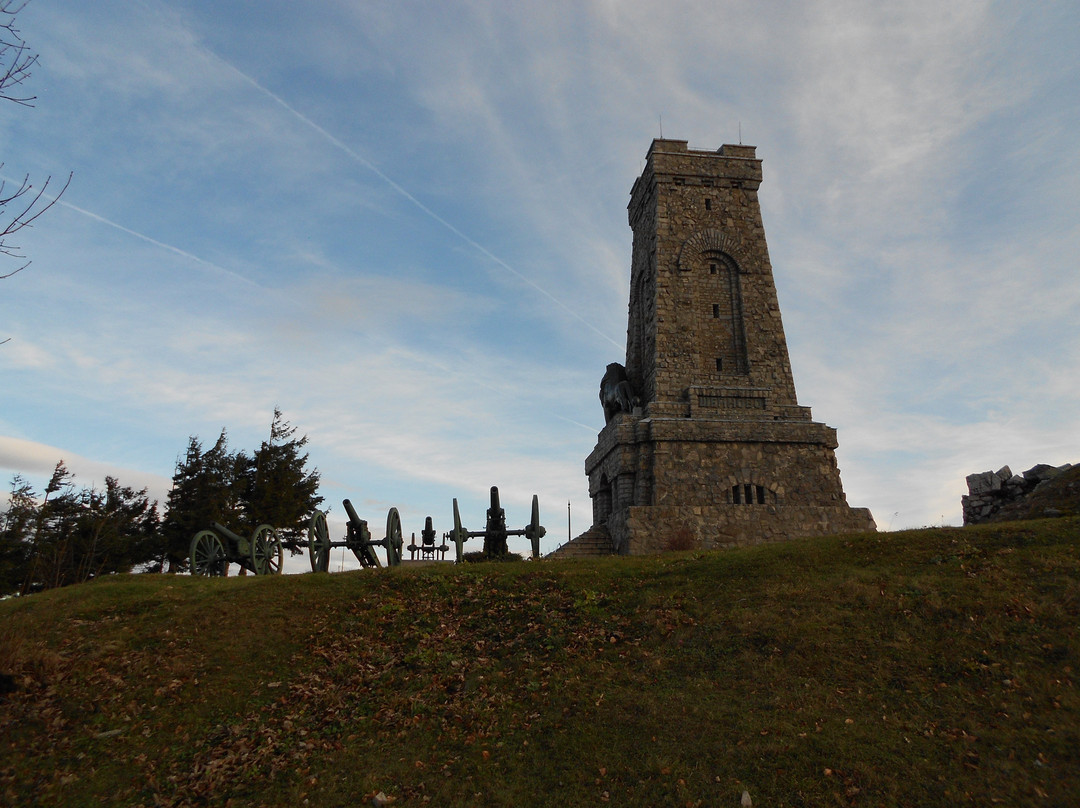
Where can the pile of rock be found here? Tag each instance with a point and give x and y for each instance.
(997, 495)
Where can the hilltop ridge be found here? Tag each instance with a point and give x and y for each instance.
(926, 668)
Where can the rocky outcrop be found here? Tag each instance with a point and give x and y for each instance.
(1040, 492)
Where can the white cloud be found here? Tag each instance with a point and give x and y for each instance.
(37, 461)
(27, 356)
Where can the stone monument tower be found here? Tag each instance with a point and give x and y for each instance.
(705, 443)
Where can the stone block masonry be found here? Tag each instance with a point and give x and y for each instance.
(718, 451)
(1041, 491)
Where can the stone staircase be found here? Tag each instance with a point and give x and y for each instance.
(596, 541)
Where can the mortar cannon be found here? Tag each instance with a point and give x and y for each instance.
(427, 546)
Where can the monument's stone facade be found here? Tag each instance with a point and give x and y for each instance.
(715, 449)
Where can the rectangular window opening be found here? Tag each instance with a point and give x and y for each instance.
(761, 495)
(708, 204)
(719, 365)
(716, 310)
(736, 495)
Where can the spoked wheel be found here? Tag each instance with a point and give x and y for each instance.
(458, 535)
(208, 554)
(535, 531)
(266, 553)
(319, 543)
(394, 542)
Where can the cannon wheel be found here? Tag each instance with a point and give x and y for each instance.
(266, 552)
(535, 531)
(208, 554)
(394, 541)
(318, 542)
(459, 534)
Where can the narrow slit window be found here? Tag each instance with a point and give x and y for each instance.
(748, 494)
(719, 365)
(716, 310)
(708, 204)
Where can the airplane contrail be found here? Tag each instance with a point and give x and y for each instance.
(182, 253)
(156, 243)
(405, 193)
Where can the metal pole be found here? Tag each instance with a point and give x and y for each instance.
(569, 530)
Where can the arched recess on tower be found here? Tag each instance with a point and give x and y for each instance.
(708, 263)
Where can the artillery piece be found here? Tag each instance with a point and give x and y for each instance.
(213, 550)
(427, 546)
(495, 532)
(357, 538)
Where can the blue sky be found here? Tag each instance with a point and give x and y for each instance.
(404, 224)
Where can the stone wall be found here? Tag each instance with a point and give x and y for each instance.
(1041, 491)
(639, 530)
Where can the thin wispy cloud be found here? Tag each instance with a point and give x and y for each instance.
(370, 166)
(169, 247)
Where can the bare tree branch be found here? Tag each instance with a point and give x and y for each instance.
(28, 202)
(28, 212)
(16, 62)
(15, 57)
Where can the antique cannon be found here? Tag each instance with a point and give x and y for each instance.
(357, 538)
(495, 532)
(213, 550)
(427, 547)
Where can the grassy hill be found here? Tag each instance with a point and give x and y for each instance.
(918, 668)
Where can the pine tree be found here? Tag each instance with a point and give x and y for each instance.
(17, 535)
(205, 490)
(74, 535)
(278, 489)
(272, 486)
(118, 531)
(52, 540)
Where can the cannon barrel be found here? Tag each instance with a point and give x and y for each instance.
(226, 532)
(495, 498)
(356, 520)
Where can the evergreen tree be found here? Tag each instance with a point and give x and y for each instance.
(53, 531)
(74, 535)
(277, 487)
(16, 536)
(272, 486)
(118, 530)
(205, 490)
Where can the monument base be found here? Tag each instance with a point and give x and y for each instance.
(685, 483)
(644, 529)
